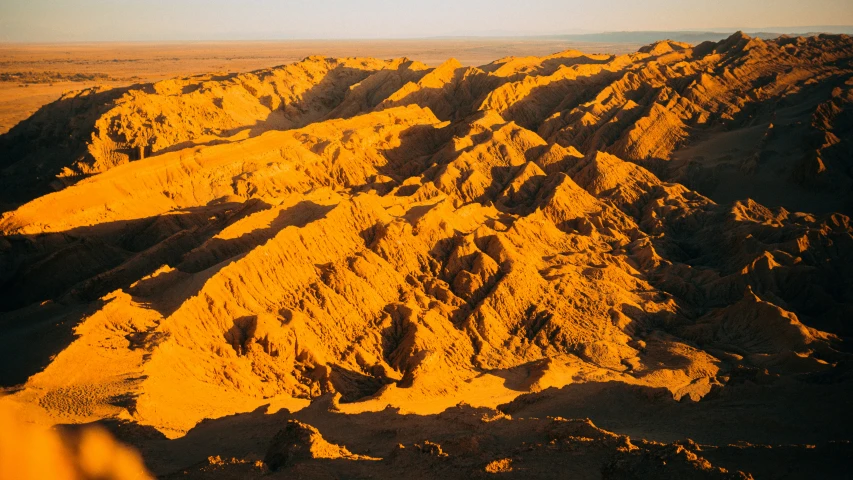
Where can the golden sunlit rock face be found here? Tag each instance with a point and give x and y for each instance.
(633, 266)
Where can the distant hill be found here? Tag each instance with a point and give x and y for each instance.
(695, 37)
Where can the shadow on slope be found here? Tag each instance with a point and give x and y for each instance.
(36, 150)
(769, 429)
(43, 298)
(47, 151)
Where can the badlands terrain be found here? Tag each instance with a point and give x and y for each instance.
(32, 75)
(589, 265)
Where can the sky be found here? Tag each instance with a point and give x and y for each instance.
(145, 20)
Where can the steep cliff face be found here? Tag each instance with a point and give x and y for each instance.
(416, 237)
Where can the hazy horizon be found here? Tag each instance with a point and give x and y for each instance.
(219, 20)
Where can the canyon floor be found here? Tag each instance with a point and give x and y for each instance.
(623, 264)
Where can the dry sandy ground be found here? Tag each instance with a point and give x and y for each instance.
(130, 63)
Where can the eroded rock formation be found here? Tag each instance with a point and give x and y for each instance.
(419, 237)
